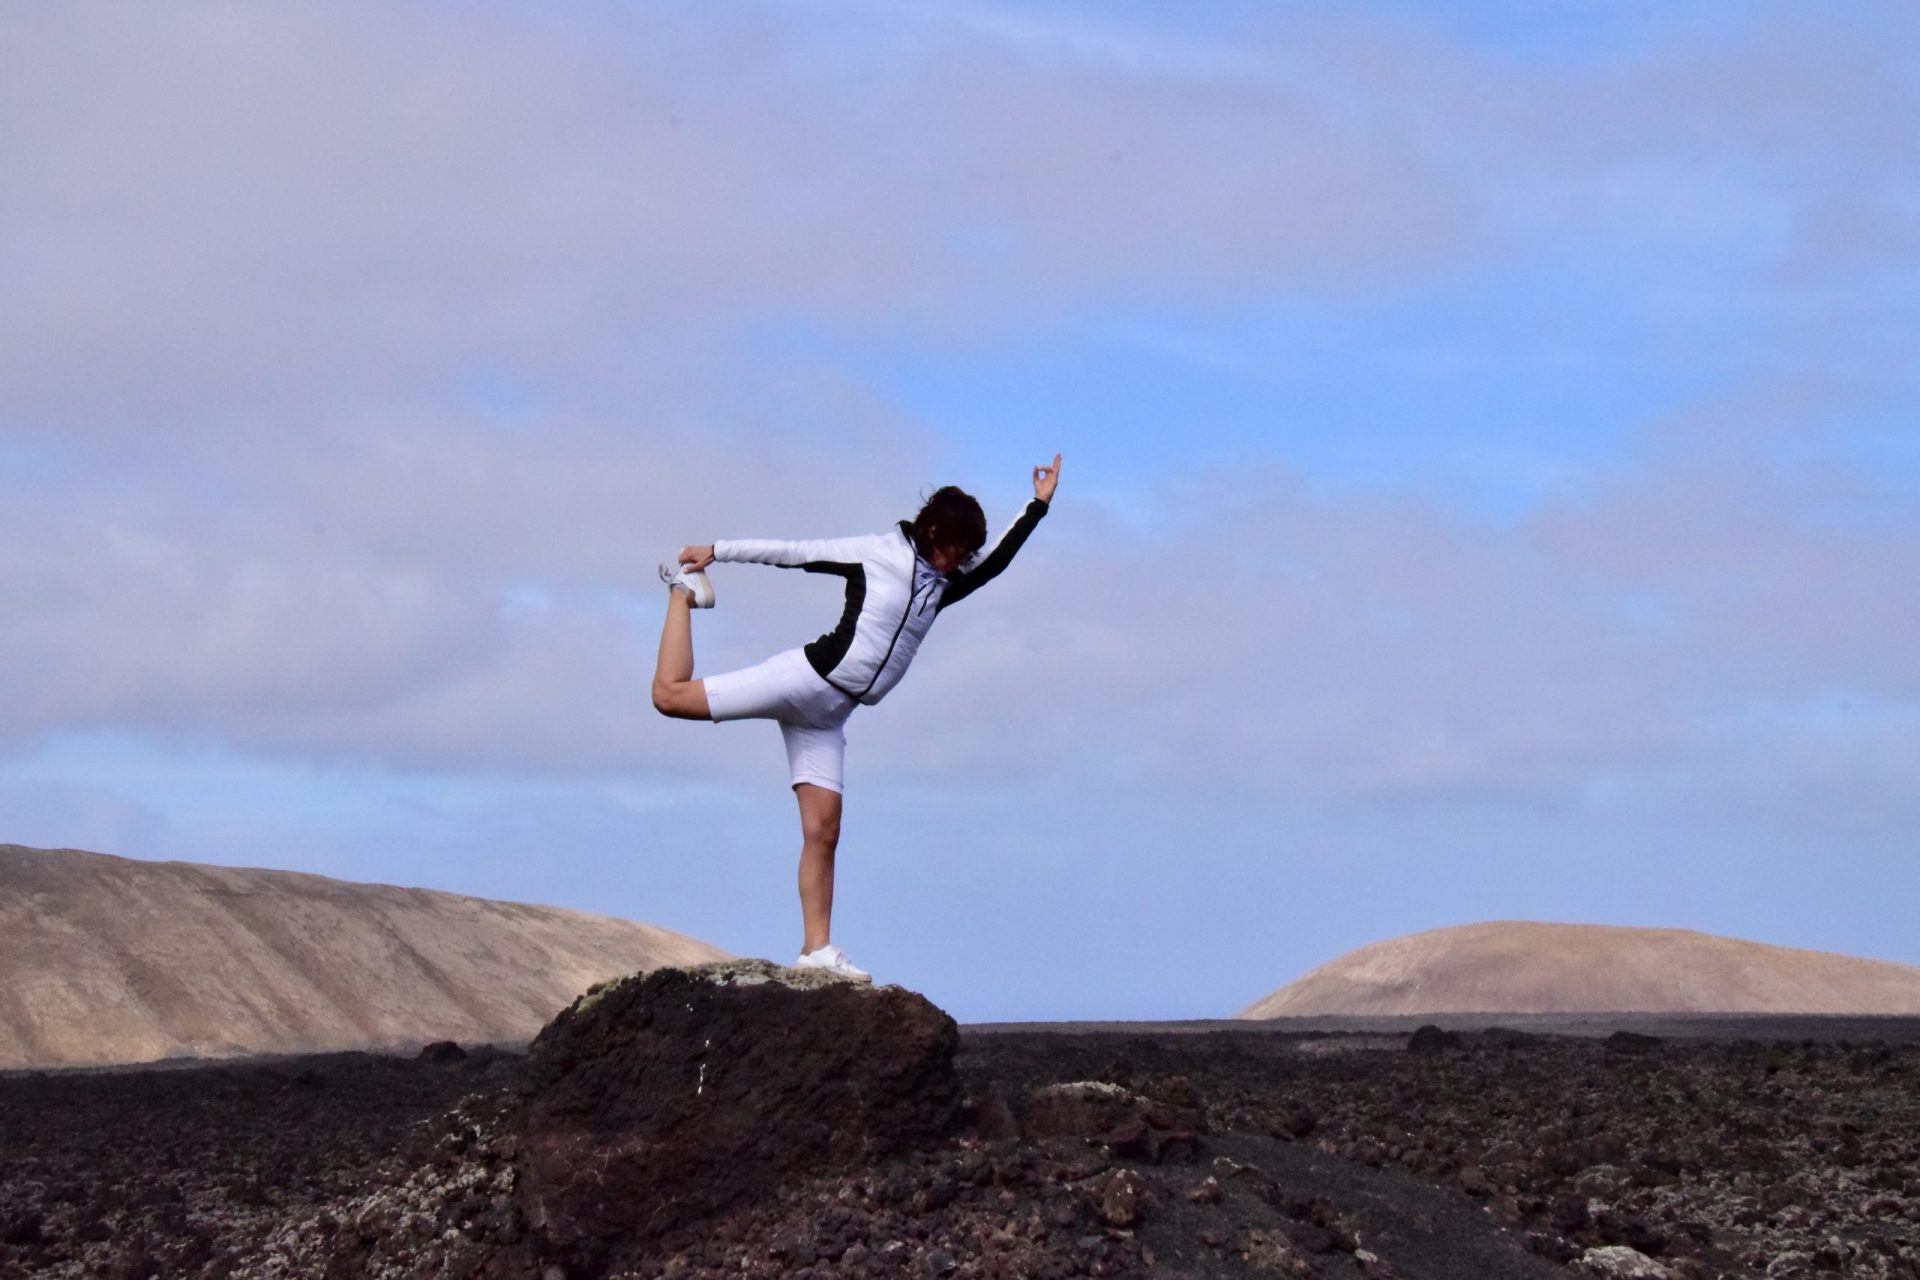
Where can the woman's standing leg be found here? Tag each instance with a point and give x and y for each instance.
(820, 836)
(675, 692)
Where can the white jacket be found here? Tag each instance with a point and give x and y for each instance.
(893, 596)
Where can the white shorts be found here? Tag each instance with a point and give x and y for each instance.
(811, 712)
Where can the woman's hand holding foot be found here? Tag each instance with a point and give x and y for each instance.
(685, 576)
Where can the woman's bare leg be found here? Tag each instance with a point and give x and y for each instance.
(820, 836)
(675, 692)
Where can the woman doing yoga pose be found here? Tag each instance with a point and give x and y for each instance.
(897, 583)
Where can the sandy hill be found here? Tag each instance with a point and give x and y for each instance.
(112, 960)
(1516, 966)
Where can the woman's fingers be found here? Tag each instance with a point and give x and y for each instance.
(1046, 477)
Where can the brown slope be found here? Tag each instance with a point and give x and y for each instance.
(1517, 966)
(110, 959)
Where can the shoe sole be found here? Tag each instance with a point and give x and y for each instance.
(701, 591)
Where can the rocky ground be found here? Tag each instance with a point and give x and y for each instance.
(1729, 1158)
(692, 1126)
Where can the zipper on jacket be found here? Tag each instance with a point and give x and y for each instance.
(905, 613)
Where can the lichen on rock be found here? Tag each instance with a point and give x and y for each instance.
(742, 972)
(1617, 1260)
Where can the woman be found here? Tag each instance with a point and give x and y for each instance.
(897, 584)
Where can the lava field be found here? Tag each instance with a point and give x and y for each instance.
(683, 1127)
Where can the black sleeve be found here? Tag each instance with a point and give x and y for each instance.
(967, 581)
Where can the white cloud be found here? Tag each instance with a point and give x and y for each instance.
(1298, 648)
(257, 257)
(225, 210)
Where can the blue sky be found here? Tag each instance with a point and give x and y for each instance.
(1491, 482)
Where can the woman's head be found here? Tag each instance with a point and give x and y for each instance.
(950, 528)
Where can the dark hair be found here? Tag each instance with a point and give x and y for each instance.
(951, 518)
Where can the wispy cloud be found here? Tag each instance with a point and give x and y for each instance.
(357, 362)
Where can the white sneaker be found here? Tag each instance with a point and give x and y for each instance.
(695, 583)
(831, 957)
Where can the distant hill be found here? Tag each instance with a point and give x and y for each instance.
(1517, 966)
(112, 960)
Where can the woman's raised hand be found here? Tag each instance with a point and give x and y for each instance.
(1045, 478)
(694, 559)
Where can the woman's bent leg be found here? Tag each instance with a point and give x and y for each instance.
(675, 692)
(820, 837)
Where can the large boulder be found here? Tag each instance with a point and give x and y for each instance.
(1103, 1113)
(662, 1099)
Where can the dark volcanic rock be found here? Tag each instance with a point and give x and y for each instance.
(1431, 1039)
(1123, 1121)
(991, 1116)
(661, 1100)
(443, 1052)
(1632, 1042)
(1709, 1161)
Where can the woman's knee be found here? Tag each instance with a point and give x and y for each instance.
(819, 815)
(822, 830)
